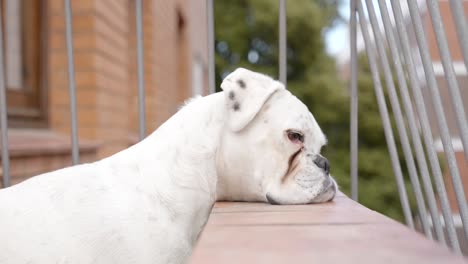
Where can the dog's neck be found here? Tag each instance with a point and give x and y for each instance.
(176, 163)
(191, 138)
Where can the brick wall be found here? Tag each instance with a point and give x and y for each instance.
(105, 63)
(101, 49)
(457, 58)
(165, 37)
(450, 31)
(106, 77)
(112, 58)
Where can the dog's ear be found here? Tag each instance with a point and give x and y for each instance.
(245, 93)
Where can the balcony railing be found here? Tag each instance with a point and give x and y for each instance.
(389, 50)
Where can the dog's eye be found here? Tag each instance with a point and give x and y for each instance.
(295, 137)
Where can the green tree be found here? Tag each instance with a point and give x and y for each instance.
(246, 36)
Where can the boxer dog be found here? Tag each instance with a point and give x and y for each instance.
(254, 141)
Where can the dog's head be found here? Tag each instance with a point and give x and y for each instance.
(270, 147)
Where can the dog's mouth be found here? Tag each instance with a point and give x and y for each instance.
(329, 191)
(292, 165)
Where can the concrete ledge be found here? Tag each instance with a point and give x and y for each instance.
(341, 231)
(40, 142)
(35, 151)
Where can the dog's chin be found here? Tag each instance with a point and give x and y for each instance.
(326, 194)
(272, 200)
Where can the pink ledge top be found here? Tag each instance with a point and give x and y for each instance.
(342, 231)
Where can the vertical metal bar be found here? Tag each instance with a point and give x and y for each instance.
(211, 47)
(371, 56)
(446, 58)
(3, 113)
(353, 103)
(400, 123)
(282, 43)
(425, 127)
(434, 162)
(71, 81)
(439, 111)
(462, 30)
(412, 121)
(141, 69)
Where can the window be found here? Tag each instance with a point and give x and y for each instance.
(23, 28)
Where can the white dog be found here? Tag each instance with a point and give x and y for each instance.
(148, 204)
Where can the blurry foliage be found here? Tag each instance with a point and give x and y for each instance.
(246, 36)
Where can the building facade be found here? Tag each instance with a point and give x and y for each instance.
(104, 40)
(462, 78)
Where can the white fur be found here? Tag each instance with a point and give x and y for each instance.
(149, 203)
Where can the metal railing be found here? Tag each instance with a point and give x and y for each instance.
(394, 37)
(72, 85)
(71, 81)
(140, 70)
(72, 88)
(3, 112)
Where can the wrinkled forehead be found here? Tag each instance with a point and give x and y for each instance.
(317, 134)
(295, 115)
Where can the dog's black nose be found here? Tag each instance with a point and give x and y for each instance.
(322, 163)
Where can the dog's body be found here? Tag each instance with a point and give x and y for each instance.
(149, 203)
(128, 208)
